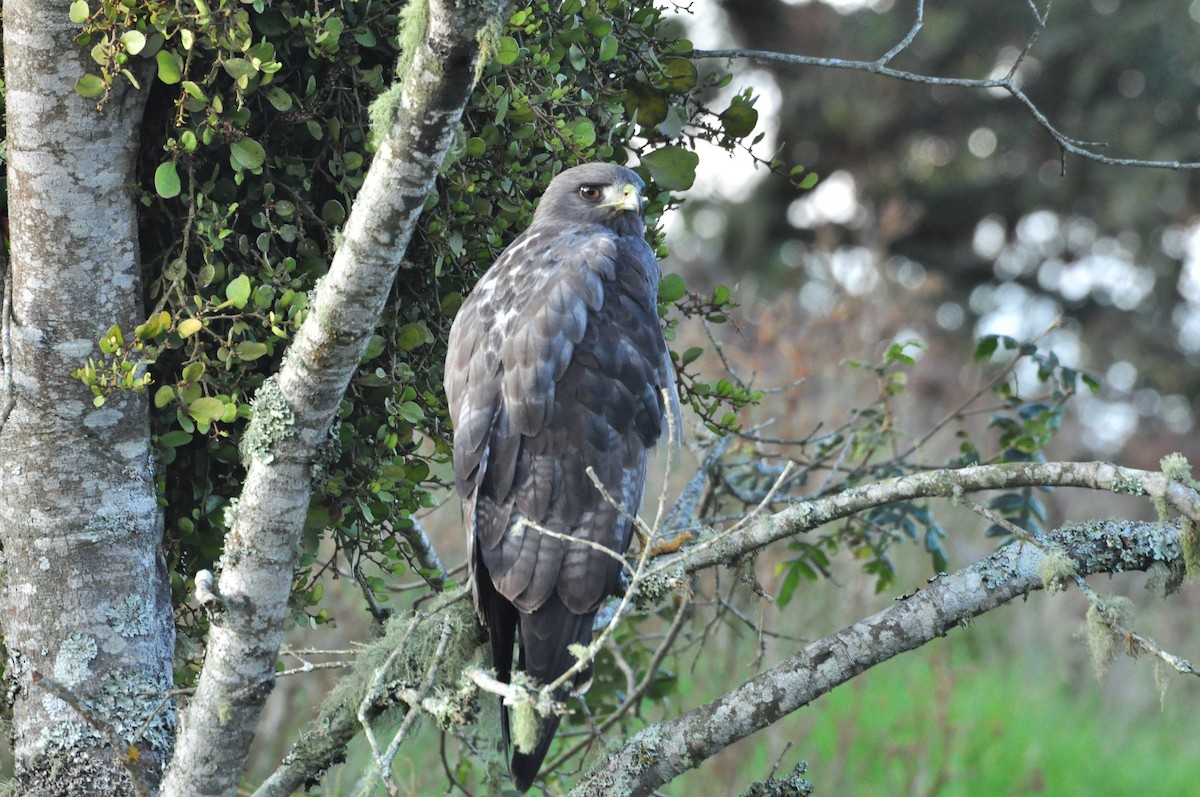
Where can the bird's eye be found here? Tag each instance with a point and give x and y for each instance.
(591, 193)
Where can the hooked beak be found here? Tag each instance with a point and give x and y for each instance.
(624, 198)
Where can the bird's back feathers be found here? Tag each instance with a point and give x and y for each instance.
(556, 363)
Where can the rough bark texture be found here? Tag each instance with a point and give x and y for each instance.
(86, 605)
(293, 411)
(660, 752)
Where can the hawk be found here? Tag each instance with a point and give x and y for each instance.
(557, 363)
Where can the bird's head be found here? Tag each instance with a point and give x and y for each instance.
(597, 193)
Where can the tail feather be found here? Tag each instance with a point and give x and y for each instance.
(500, 616)
(525, 766)
(546, 636)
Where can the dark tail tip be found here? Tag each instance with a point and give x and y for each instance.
(523, 773)
(525, 766)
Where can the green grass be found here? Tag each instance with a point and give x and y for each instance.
(952, 722)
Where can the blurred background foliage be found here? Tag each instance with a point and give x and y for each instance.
(935, 300)
(958, 197)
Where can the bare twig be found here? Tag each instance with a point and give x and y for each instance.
(373, 693)
(430, 566)
(892, 53)
(558, 535)
(803, 516)
(414, 697)
(1134, 640)
(1008, 83)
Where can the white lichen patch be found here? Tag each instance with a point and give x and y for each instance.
(76, 349)
(131, 616)
(133, 449)
(102, 418)
(54, 706)
(71, 664)
(271, 420)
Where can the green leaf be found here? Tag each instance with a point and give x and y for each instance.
(507, 50)
(375, 346)
(671, 289)
(672, 168)
(166, 180)
(689, 356)
(680, 74)
(411, 412)
(189, 326)
(584, 132)
(475, 147)
(238, 68)
(413, 335)
(168, 67)
(79, 12)
(164, 396)
(250, 350)
(174, 439)
(739, 119)
(247, 153)
(238, 291)
(647, 102)
(608, 48)
(192, 371)
(134, 41)
(206, 410)
(809, 181)
(986, 348)
(90, 85)
(280, 99)
(790, 582)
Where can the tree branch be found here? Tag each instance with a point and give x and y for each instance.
(292, 411)
(1096, 547)
(804, 516)
(1008, 83)
(662, 751)
(382, 676)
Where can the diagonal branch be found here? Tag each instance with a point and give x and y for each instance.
(1009, 83)
(293, 410)
(662, 751)
(804, 516)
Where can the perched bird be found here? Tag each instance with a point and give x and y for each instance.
(557, 363)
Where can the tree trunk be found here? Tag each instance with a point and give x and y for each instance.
(293, 410)
(86, 604)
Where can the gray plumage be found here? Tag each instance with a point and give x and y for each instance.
(557, 362)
